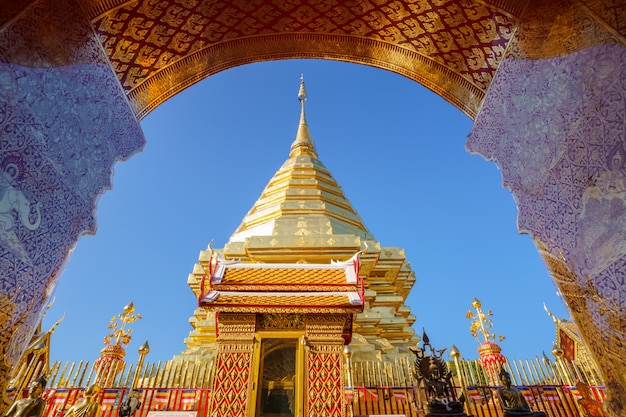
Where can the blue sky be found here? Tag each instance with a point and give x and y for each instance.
(396, 149)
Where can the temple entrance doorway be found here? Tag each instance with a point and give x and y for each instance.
(280, 378)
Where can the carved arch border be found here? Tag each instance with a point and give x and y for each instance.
(195, 67)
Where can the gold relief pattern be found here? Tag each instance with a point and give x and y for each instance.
(324, 382)
(232, 323)
(600, 318)
(232, 381)
(541, 35)
(66, 40)
(150, 43)
(280, 322)
(326, 325)
(611, 13)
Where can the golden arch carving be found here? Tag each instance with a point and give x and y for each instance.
(159, 50)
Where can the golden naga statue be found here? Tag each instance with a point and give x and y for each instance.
(88, 407)
(33, 405)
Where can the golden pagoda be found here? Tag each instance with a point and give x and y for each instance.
(300, 279)
(303, 216)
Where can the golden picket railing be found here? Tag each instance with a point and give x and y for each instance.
(378, 387)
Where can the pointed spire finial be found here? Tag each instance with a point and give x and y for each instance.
(303, 145)
(302, 93)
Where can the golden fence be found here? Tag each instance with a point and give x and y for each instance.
(171, 374)
(371, 387)
(555, 401)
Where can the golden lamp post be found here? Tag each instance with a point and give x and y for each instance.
(111, 360)
(490, 357)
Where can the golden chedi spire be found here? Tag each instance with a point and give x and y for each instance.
(301, 207)
(303, 145)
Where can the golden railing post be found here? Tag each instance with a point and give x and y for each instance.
(144, 349)
(347, 353)
(558, 354)
(456, 354)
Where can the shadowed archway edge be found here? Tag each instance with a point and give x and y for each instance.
(155, 90)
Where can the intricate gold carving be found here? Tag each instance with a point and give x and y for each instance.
(326, 327)
(560, 27)
(233, 324)
(149, 44)
(232, 383)
(280, 322)
(324, 382)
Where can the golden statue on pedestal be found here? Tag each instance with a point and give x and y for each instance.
(513, 401)
(33, 405)
(88, 407)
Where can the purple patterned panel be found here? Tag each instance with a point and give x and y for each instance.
(61, 131)
(557, 128)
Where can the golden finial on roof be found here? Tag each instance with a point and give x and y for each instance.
(121, 334)
(481, 324)
(303, 145)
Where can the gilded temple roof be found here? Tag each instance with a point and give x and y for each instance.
(278, 302)
(235, 286)
(236, 276)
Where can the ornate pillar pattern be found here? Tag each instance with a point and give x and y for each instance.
(232, 383)
(554, 120)
(324, 363)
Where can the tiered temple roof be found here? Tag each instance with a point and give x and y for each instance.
(283, 288)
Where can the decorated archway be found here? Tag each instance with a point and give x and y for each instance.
(544, 83)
